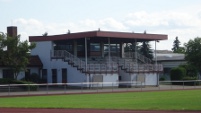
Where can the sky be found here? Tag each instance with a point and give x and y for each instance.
(174, 18)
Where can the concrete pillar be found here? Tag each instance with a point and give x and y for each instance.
(75, 48)
(109, 55)
(102, 48)
(122, 50)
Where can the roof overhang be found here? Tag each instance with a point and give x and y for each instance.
(104, 34)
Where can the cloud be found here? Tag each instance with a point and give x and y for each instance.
(185, 25)
(111, 23)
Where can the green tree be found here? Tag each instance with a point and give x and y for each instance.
(176, 46)
(45, 34)
(145, 49)
(16, 57)
(193, 53)
(130, 47)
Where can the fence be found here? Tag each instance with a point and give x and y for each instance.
(93, 87)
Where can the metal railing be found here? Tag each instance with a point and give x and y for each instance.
(89, 67)
(93, 87)
(126, 63)
(137, 56)
(143, 67)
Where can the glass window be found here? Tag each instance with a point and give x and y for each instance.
(95, 46)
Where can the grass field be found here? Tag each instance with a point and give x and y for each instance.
(162, 100)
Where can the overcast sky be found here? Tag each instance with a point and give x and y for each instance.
(180, 18)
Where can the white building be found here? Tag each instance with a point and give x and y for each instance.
(95, 56)
(169, 60)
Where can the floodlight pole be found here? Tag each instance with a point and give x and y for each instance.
(156, 65)
(155, 54)
(85, 54)
(109, 49)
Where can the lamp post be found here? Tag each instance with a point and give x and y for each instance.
(156, 64)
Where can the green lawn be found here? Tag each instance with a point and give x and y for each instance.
(161, 100)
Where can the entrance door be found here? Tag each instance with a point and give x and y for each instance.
(64, 75)
(54, 75)
(27, 74)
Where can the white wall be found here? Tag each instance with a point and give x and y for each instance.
(43, 50)
(108, 80)
(151, 79)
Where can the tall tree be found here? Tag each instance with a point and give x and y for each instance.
(45, 34)
(145, 50)
(176, 46)
(130, 47)
(16, 57)
(193, 53)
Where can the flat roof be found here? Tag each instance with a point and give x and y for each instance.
(104, 34)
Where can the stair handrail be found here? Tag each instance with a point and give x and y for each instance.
(63, 54)
(139, 57)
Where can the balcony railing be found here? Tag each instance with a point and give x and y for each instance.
(130, 67)
(138, 56)
(80, 64)
(128, 64)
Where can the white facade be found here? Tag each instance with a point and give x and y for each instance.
(74, 75)
(138, 79)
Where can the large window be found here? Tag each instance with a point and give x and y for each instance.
(114, 49)
(7, 73)
(67, 47)
(80, 47)
(95, 47)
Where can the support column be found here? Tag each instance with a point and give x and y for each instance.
(155, 54)
(136, 59)
(116, 50)
(85, 54)
(122, 50)
(102, 48)
(156, 65)
(75, 48)
(109, 50)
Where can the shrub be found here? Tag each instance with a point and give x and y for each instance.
(6, 81)
(34, 77)
(12, 81)
(162, 79)
(26, 87)
(177, 74)
(190, 78)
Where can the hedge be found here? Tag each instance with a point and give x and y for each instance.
(26, 87)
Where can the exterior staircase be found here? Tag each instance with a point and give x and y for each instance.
(83, 66)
